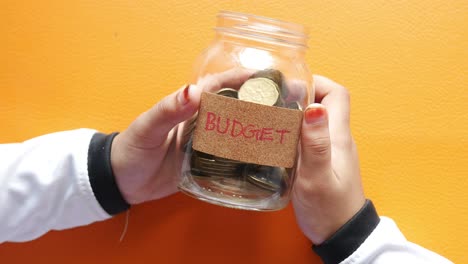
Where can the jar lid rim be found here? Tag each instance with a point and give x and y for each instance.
(297, 29)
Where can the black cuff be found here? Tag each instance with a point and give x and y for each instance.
(350, 236)
(101, 177)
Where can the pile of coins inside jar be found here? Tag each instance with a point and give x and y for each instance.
(264, 87)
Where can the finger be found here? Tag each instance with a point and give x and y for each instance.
(297, 90)
(152, 127)
(315, 142)
(336, 99)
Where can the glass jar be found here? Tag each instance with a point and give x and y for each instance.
(254, 73)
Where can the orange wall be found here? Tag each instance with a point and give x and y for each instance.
(98, 64)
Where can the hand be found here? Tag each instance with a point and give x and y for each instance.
(328, 190)
(142, 155)
(146, 158)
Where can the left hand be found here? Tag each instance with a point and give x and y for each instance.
(146, 157)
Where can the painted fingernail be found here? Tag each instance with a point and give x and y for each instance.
(183, 95)
(315, 113)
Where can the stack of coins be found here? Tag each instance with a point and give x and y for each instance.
(264, 87)
(208, 165)
(266, 177)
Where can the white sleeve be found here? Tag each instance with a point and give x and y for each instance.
(387, 245)
(44, 185)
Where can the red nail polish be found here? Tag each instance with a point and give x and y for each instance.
(315, 114)
(184, 95)
(186, 92)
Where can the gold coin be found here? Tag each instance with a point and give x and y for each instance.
(217, 163)
(276, 76)
(261, 91)
(228, 92)
(206, 165)
(217, 169)
(266, 177)
(228, 161)
(271, 74)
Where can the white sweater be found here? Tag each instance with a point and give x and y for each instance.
(44, 185)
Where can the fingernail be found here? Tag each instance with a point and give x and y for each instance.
(183, 96)
(315, 113)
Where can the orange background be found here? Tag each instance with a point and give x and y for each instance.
(98, 64)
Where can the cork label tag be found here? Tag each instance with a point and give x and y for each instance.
(247, 132)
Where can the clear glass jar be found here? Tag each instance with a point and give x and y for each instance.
(261, 61)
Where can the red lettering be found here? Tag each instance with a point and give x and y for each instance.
(228, 122)
(282, 132)
(257, 133)
(252, 131)
(236, 129)
(264, 134)
(210, 121)
(236, 124)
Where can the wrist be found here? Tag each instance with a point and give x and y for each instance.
(349, 236)
(326, 217)
(122, 171)
(101, 175)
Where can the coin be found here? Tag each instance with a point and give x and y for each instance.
(271, 74)
(228, 92)
(264, 87)
(267, 177)
(276, 76)
(260, 90)
(204, 164)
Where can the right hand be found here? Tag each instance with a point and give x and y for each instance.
(328, 190)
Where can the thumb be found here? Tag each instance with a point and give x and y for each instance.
(315, 141)
(151, 127)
